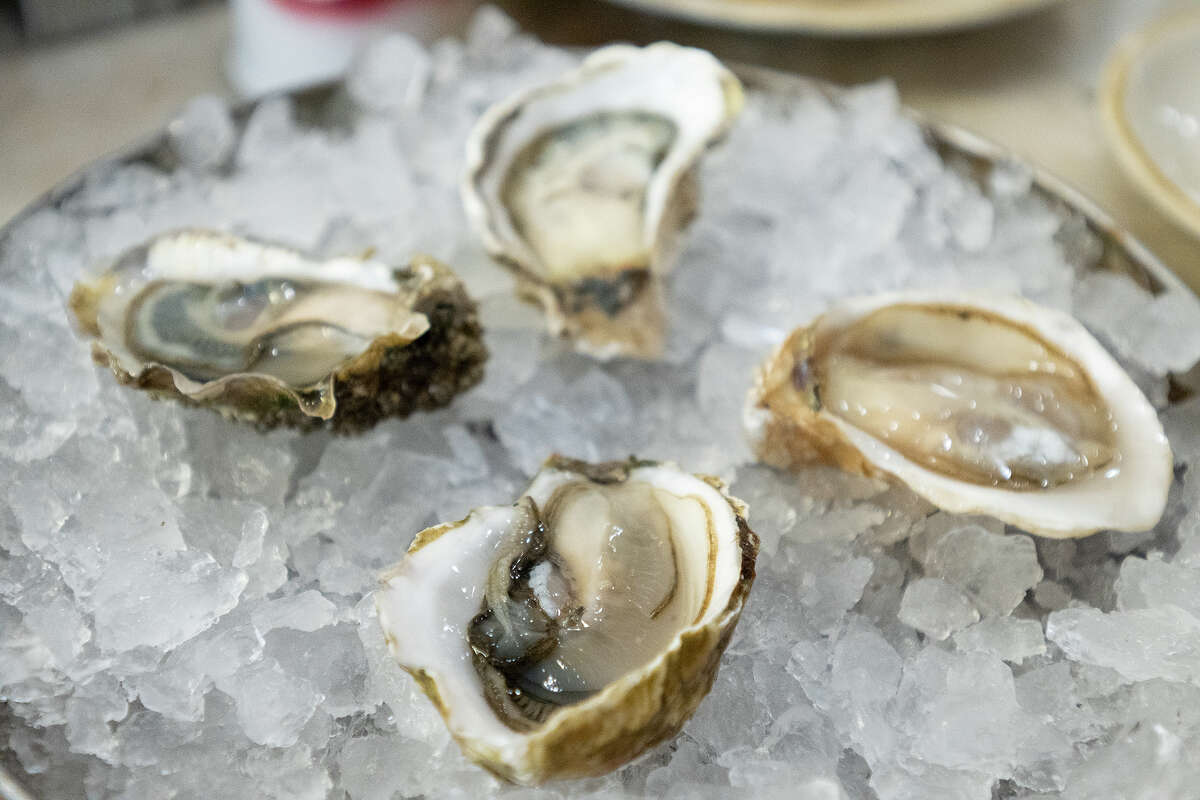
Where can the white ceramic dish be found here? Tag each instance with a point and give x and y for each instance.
(843, 17)
(1150, 104)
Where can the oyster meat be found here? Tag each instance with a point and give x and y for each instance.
(581, 186)
(264, 334)
(979, 403)
(566, 634)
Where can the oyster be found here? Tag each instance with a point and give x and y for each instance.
(566, 634)
(979, 403)
(580, 186)
(264, 334)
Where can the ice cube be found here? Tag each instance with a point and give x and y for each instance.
(391, 74)
(1051, 595)
(272, 705)
(1142, 644)
(865, 668)
(377, 767)
(1129, 317)
(161, 602)
(91, 707)
(489, 30)
(826, 584)
(1149, 583)
(962, 711)
(1142, 761)
(307, 611)
(1007, 638)
(203, 135)
(269, 133)
(331, 660)
(956, 213)
(587, 418)
(60, 626)
(936, 608)
(250, 546)
(994, 570)
(295, 772)
(689, 765)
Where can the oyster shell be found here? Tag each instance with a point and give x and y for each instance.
(566, 634)
(264, 334)
(979, 403)
(580, 186)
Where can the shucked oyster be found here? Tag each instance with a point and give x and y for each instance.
(264, 334)
(566, 634)
(581, 185)
(978, 403)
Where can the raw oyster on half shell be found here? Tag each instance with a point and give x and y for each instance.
(264, 334)
(566, 634)
(979, 403)
(580, 186)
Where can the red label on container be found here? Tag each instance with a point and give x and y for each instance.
(335, 8)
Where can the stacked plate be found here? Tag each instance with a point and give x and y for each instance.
(844, 17)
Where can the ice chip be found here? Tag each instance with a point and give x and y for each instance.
(489, 30)
(994, 570)
(1142, 644)
(203, 135)
(161, 602)
(1129, 317)
(865, 668)
(307, 611)
(1146, 583)
(90, 709)
(1007, 638)
(331, 660)
(272, 706)
(269, 133)
(936, 608)
(391, 74)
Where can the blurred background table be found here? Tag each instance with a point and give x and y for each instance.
(1028, 84)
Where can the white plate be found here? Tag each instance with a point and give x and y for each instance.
(843, 17)
(1150, 102)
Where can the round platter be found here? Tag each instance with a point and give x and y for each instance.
(322, 501)
(1146, 91)
(843, 17)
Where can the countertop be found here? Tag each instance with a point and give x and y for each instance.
(1028, 85)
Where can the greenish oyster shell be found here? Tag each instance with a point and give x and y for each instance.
(431, 604)
(266, 335)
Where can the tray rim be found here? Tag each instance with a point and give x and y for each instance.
(947, 137)
(944, 135)
(824, 18)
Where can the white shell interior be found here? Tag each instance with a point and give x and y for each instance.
(215, 258)
(1131, 497)
(427, 601)
(683, 84)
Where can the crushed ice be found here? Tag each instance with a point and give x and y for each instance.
(184, 603)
